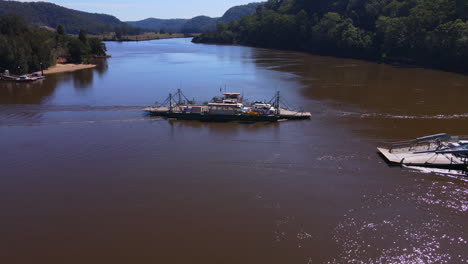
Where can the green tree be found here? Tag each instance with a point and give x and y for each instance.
(83, 37)
(23, 50)
(60, 30)
(462, 9)
(13, 25)
(97, 47)
(78, 50)
(118, 35)
(326, 31)
(449, 43)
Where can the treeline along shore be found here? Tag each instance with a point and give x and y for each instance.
(431, 33)
(24, 49)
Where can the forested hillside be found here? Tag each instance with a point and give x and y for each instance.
(160, 25)
(25, 50)
(51, 15)
(237, 12)
(425, 32)
(197, 24)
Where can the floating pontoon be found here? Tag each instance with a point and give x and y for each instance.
(440, 151)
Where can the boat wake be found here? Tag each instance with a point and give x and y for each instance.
(40, 115)
(454, 116)
(64, 108)
(454, 174)
(393, 116)
(80, 122)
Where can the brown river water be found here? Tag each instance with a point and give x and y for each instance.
(86, 177)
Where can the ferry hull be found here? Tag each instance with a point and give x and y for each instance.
(206, 117)
(222, 118)
(429, 159)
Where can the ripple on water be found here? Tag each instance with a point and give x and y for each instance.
(446, 194)
(395, 116)
(430, 228)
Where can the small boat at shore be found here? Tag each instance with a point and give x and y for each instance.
(435, 151)
(22, 78)
(229, 107)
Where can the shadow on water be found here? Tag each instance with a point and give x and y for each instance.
(375, 87)
(40, 91)
(101, 66)
(27, 93)
(221, 128)
(83, 80)
(224, 127)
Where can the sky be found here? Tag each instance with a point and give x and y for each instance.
(132, 10)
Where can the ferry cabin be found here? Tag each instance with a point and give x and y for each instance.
(224, 108)
(232, 98)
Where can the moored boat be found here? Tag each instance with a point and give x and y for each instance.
(22, 78)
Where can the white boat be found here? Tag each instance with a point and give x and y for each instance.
(441, 150)
(30, 77)
(23, 78)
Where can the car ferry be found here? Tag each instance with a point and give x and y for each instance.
(230, 107)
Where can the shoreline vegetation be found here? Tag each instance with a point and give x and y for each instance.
(144, 37)
(422, 33)
(69, 67)
(25, 49)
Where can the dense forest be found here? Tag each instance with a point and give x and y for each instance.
(197, 24)
(24, 49)
(42, 14)
(424, 32)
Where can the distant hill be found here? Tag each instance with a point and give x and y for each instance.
(197, 24)
(235, 13)
(156, 24)
(42, 14)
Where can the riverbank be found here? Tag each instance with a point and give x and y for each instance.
(59, 68)
(417, 36)
(393, 61)
(146, 36)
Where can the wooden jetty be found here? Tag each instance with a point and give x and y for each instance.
(439, 151)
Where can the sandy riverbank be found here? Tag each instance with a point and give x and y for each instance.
(68, 68)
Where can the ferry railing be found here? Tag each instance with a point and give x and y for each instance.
(427, 143)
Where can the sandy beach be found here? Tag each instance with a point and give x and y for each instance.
(67, 68)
